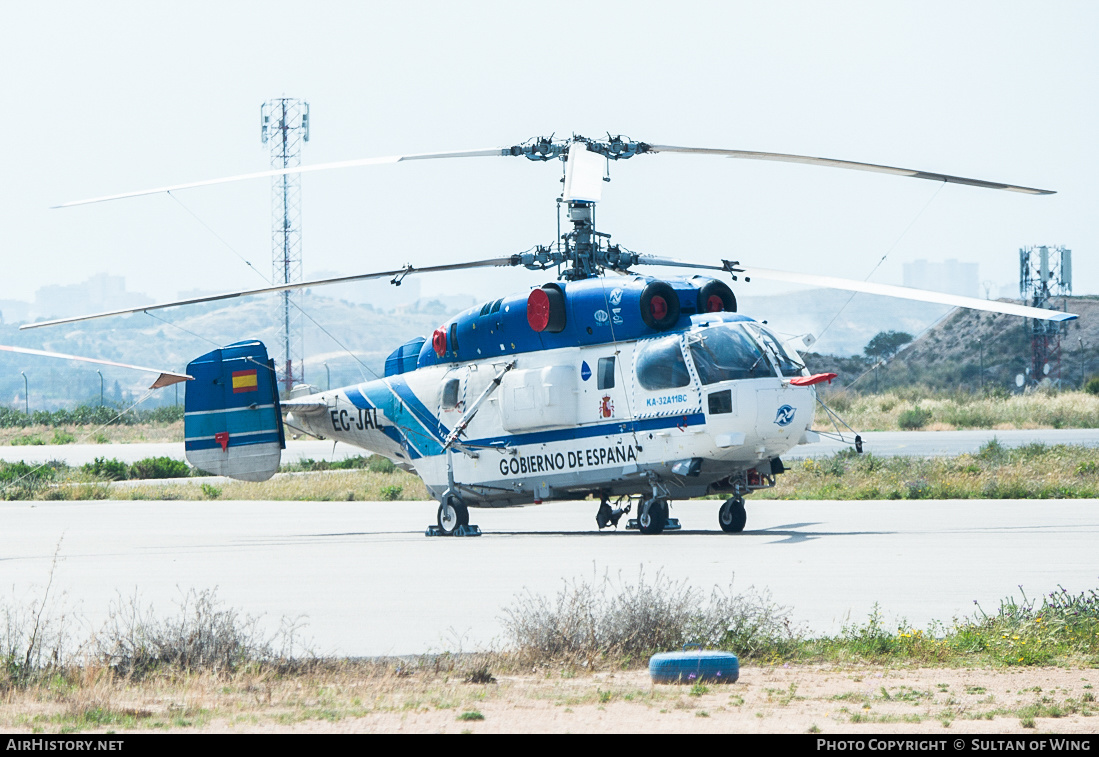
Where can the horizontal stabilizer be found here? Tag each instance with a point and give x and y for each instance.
(304, 407)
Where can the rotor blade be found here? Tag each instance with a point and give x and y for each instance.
(166, 378)
(831, 163)
(908, 293)
(867, 287)
(397, 275)
(489, 152)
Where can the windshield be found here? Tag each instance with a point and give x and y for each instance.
(788, 363)
(726, 352)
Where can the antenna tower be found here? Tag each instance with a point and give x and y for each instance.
(285, 123)
(1044, 273)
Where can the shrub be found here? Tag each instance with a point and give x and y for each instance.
(21, 481)
(913, 418)
(1092, 385)
(85, 415)
(391, 492)
(204, 637)
(351, 463)
(159, 467)
(993, 451)
(379, 464)
(111, 470)
(62, 437)
(616, 621)
(210, 491)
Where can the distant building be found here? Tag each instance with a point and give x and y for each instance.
(950, 277)
(100, 292)
(14, 311)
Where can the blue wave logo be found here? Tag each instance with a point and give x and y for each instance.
(785, 415)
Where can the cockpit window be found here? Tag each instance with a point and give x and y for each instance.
(660, 365)
(788, 363)
(727, 352)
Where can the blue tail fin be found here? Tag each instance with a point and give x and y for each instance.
(232, 425)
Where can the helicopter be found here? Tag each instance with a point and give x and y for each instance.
(634, 389)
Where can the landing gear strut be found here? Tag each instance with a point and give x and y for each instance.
(732, 516)
(606, 516)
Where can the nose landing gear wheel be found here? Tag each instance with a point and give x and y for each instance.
(654, 518)
(452, 513)
(732, 516)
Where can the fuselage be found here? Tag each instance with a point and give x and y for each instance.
(606, 406)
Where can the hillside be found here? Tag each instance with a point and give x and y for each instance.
(949, 354)
(352, 339)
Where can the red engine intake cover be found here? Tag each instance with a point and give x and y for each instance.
(538, 310)
(438, 341)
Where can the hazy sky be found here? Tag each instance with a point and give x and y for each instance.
(113, 96)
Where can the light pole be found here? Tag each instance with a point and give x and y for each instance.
(981, 346)
(1083, 378)
(100, 389)
(26, 392)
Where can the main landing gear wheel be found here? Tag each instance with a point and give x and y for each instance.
(653, 517)
(452, 514)
(732, 516)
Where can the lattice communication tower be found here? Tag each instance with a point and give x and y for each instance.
(285, 127)
(1045, 273)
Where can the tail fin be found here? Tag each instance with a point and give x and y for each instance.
(232, 424)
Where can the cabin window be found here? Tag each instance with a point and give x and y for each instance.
(660, 365)
(450, 394)
(727, 352)
(721, 402)
(606, 373)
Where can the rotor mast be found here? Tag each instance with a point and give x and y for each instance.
(585, 251)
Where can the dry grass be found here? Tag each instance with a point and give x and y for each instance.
(389, 696)
(120, 434)
(1030, 472)
(882, 412)
(327, 486)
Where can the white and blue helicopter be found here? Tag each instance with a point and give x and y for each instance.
(635, 389)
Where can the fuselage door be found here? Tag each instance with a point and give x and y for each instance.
(665, 382)
(604, 380)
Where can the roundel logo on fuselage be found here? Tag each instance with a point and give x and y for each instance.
(785, 415)
(616, 297)
(601, 316)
